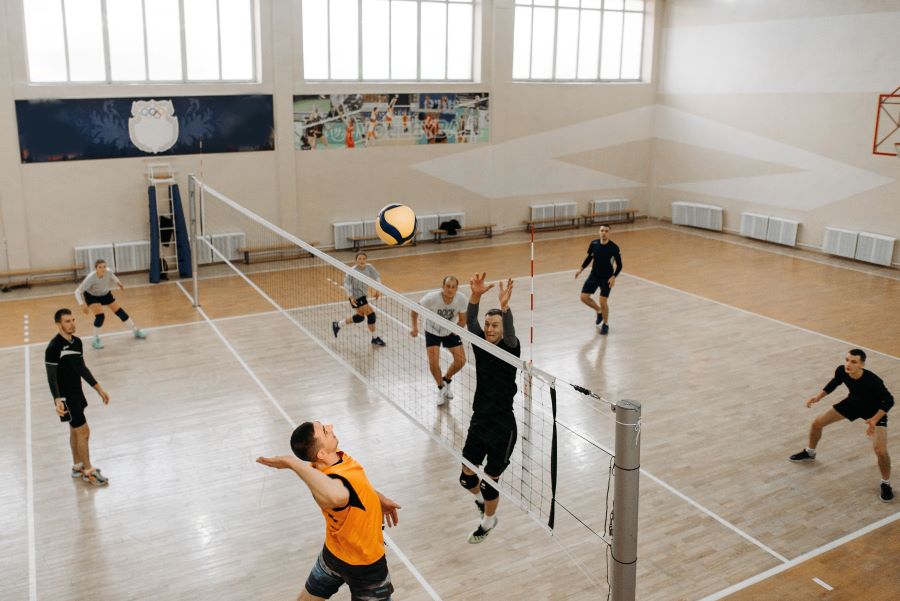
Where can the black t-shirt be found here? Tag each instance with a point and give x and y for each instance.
(603, 255)
(495, 379)
(65, 367)
(869, 389)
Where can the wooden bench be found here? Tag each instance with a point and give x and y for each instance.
(275, 252)
(602, 216)
(360, 241)
(43, 275)
(485, 230)
(552, 223)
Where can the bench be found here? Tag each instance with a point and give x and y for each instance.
(275, 252)
(485, 230)
(43, 275)
(628, 216)
(552, 223)
(360, 241)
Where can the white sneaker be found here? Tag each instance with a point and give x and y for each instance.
(448, 394)
(441, 399)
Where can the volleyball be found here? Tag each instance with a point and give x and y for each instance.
(396, 224)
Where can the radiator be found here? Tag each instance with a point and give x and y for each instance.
(132, 256)
(87, 255)
(840, 242)
(229, 244)
(426, 223)
(604, 205)
(565, 212)
(875, 248)
(343, 231)
(544, 211)
(459, 216)
(697, 215)
(782, 231)
(754, 225)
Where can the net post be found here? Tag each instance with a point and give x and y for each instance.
(623, 575)
(195, 246)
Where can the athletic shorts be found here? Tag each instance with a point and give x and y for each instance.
(492, 437)
(367, 583)
(75, 406)
(360, 302)
(106, 299)
(591, 284)
(853, 409)
(448, 341)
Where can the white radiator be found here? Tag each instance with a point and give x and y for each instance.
(132, 256)
(343, 231)
(607, 205)
(754, 225)
(459, 216)
(229, 244)
(426, 223)
(565, 212)
(87, 255)
(697, 215)
(545, 211)
(782, 231)
(840, 242)
(875, 248)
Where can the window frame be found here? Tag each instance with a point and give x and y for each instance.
(254, 50)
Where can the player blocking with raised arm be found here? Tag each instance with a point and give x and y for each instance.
(604, 253)
(357, 291)
(354, 512)
(94, 293)
(492, 430)
(450, 304)
(64, 361)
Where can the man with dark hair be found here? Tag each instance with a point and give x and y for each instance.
(603, 252)
(65, 369)
(354, 511)
(868, 399)
(492, 429)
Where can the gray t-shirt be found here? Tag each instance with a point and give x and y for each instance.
(435, 302)
(356, 287)
(96, 286)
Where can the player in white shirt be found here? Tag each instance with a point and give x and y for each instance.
(95, 292)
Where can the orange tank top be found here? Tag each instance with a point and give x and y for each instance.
(353, 533)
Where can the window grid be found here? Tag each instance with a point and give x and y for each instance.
(603, 11)
(146, 79)
(390, 4)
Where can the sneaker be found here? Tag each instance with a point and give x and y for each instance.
(480, 507)
(604, 329)
(335, 327)
(480, 534)
(78, 470)
(377, 341)
(599, 319)
(448, 394)
(887, 493)
(802, 456)
(97, 343)
(95, 477)
(139, 334)
(441, 399)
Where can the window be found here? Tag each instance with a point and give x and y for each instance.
(388, 40)
(110, 41)
(575, 40)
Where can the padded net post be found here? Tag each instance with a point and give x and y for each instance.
(623, 574)
(195, 246)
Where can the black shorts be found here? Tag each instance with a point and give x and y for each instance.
(370, 582)
(360, 302)
(853, 409)
(591, 284)
(448, 341)
(75, 406)
(106, 299)
(493, 437)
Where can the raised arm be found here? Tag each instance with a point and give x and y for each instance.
(476, 282)
(509, 328)
(329, 493)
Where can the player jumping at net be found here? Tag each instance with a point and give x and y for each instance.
(354, 512)
(94, 293)
(64, 361)
(492, 430)
(604, 253)
(868, 399)
(357, 291)
(450, 304)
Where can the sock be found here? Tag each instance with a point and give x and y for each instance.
(96, 332)
(440, 386)
(888, 482)
(488, 522)
(811, 452)
(130, 324)
(447, 380)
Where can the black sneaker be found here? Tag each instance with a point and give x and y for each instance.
(887, 493)
(335, 327)
(377, 341)
(480, 534)
(480, 506)
(604, 329)
(599, 319)
(802, 456)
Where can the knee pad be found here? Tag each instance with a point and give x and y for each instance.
(98, 320)
(357, 318)
(370, 318)
(489, 492)
(121, 314)
(468, 481)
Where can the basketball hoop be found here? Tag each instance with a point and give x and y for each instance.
(887, 125)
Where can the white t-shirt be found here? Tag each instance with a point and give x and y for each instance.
(435, 302)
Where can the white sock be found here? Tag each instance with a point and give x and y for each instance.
(130, 323)
(488, 522)
(810, 452)
(479, 497)
(888, 482)
(96, 332)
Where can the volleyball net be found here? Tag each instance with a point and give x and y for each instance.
(553, 467)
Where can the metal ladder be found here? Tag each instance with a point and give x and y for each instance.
(162, 178)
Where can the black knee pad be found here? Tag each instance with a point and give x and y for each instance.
(121, 314)
(370, 318)
(468, 481)
(358, 318)
(489, 492)
(98, 320)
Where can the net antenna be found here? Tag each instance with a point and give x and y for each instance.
(886, 141)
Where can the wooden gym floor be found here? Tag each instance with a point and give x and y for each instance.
(721, 342)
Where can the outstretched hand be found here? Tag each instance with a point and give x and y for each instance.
(476, 282)
(279, 462)
(505, 294)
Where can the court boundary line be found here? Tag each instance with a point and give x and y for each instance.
(29, 470)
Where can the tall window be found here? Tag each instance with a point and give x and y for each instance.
(388, 39)
(140, 40)
(589, 40)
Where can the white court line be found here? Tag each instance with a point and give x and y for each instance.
(409, 565)
(823, 584)
(29, 471)
(802, 558)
